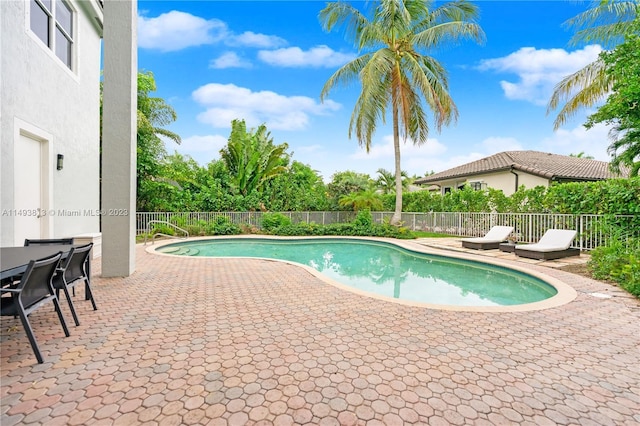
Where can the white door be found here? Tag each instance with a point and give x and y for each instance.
(29, 174)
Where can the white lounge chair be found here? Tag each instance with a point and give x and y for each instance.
(554, 244)
(493, 238)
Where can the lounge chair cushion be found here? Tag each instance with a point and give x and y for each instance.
(496, 234)
(552, 240)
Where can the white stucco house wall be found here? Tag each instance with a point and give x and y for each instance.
(50, 100)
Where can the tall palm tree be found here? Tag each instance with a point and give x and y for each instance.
(606, 23)
(395, 70)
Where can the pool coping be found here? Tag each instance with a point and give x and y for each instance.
(565, 293)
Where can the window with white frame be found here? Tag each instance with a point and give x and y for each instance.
(478, 185)
(52, 22)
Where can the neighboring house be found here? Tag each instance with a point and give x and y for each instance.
(50, 118)
(509, 170)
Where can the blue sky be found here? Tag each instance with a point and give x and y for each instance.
(266, 62)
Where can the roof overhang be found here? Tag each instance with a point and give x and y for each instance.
(94, 10)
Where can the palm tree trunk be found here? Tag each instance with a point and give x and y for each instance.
(395, 219)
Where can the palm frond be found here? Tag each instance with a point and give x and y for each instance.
(448, 33)
(604, 23)
(343, 14)
(581, 89)
(345, 75)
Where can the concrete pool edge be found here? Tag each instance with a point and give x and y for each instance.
(565, 293)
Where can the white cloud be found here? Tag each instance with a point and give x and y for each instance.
(539, 70)
(229, 60)
(251, 39)
(385, 150)
(495, 144)
(202, 148)
(225, 102)
(319, 56)
(414, 159)
(178, 30)
(593, 142)
(439, 164)
(489, 146)
(205, 143)
(310, 149)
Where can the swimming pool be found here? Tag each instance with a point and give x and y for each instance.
(387, 270)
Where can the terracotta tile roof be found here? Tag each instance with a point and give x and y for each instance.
(544, 164)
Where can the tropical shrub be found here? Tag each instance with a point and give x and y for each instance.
(199, 228)
(618, 261)
(271, 221)
(363, 219)
(362, 226)
(162, 229)
(222, 226)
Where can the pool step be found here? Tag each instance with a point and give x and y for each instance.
(171, 250)
(181, 251)
(191, 252)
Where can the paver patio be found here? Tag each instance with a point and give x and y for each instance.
(232, 341)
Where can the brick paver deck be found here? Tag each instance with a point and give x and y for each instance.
(213, 341)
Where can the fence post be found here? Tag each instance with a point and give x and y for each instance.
(580, 231)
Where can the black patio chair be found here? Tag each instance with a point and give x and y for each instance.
(47, 242)
(72, 271)
(34, 290)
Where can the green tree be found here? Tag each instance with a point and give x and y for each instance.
(300, 188)
(386, 181)
(395, 70)
(606, 22)
(345, 183)
(622, 108)
(252, 158)
(581, 154)
(153, 114)
(363, 200)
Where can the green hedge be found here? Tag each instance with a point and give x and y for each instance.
(362, 225)
(612, 196)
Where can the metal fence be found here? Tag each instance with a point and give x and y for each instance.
(593, 230)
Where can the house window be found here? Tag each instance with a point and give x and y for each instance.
(52, 22)
(447, 189)
(477, 186)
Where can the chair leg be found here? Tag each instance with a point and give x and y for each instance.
(89, 295)
(32, 338)
(71, 306)
(61, 317)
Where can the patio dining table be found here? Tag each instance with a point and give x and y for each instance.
(14, 260)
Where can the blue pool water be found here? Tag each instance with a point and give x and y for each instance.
(386, 269)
